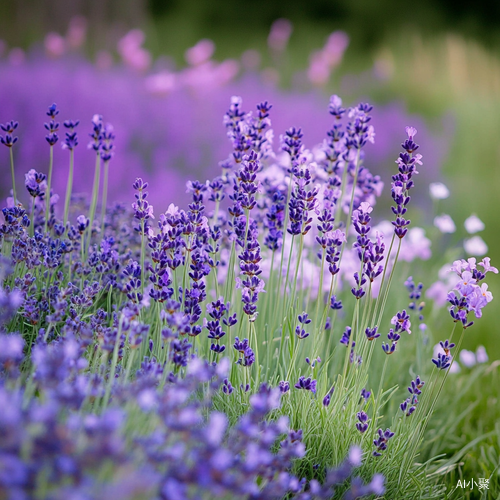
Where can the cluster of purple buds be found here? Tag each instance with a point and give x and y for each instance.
(107, 145)
(82, 223)
(334, 303)
(247, 180)
(334, 145)
(8, 140)
(371, 333)
(237, 127)
(179, 353)
(52, 127)
(345, 339)
(284, 386)
(365, 395)
(35, 184)
(275, 218)
(314, 362)
(299, 330)
(362, 425)
(133, 282)
(358, 132)
(415, 292)
(71, 139)
(247, 132)
(16, 220)
(444, 360)
(302, 202)
(326, 217)
(96, 135)
(401, 322)
(393, 337)
(247, 356)
(227, 388)
(259, 126)
(402, 182)
(381, 442)
(468, 295)
(307, 384)
(291, 143)
(410, 404)
(251, 284)
(217, 311)
(370, 254)
(143, 211)
(333, 245)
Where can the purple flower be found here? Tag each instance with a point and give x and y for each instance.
(284, 386)
(402, 322)
(402, 182)
(328, 397)
(371, 333)
(442, 362)
(52, 127)
(9, 127)
(247, 356)
(381, 442)
(362, 425)
(307, 384)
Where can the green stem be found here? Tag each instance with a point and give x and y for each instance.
(104, 195)
(69, 186)
(386, 295)
(13, 176)
(143, 251)
(95, 194)
(49, 184)
(32, 225)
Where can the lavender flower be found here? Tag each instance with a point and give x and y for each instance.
(306, 383)
(284, 386)
(247, 356)
(402, 182)
(9, 127)
(381, 442)
(362, 425)
(52, 127)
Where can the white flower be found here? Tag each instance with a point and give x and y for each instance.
(473, 224)
(468, 358)
(481, 355)
(475, 246)
(445, 223)
(438, 191)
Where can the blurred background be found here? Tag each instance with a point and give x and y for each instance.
(162, 72)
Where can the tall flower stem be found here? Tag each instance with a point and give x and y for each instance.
(69, 186)
(49, 184)
(104, 195)
(32, 217)
(95, 194)
(143, 252)
(13, 176)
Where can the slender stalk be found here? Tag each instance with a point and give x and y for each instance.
(95, 194)
(13, 176)
(104, 195)
(69, 186)
(32, 225)
(49, 184)
(143, 252)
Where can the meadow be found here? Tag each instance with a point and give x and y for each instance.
(280, 330)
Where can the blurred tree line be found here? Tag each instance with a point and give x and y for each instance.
(368, 22)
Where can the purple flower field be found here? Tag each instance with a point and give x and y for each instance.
(202, 295)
